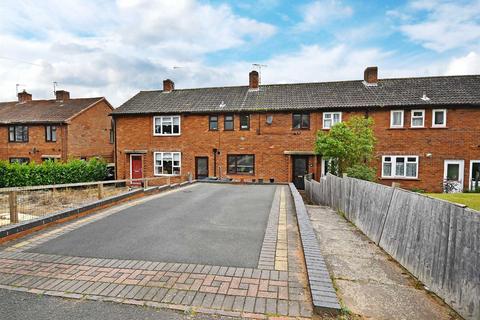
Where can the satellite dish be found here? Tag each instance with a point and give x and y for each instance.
(270, 119)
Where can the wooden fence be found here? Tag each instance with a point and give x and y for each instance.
(436, 240)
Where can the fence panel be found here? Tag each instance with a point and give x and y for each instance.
(437, 241)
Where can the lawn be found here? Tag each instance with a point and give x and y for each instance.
(472, 200)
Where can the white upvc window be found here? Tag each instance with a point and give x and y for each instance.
(405, 167)
(166, 125)
(439, 118)
(167, 163)
(396, 119)
(331, 118)
(418, 119)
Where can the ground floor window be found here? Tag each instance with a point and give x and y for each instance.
(241, 163)
(400, 167)
(329, 166)
(167, 163)
(20, 160)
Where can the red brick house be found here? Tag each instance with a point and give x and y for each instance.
(428, 129)
(61, 128)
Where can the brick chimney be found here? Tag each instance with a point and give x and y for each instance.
(168, 85)
(24, 96)
(62, 95)
(370, 76)
(254, 80)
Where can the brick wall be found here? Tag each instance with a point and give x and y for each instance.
(89, 133)
(460, 140)
(35, 148)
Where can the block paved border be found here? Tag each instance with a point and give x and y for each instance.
(95, 205)
(323, 293)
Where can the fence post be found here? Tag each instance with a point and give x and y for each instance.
(12, 202)
(395, 185)
(168, 181)
(145, 184)
(100, 191)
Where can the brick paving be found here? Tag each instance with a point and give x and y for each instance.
(278, 286)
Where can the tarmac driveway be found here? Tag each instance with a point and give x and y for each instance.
(214, 224)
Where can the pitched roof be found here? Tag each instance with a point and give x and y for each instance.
(445, 90)
(43, 111)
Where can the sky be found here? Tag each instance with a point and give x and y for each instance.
(115, 48)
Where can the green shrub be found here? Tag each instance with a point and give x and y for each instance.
(361, 171)
(51, 172)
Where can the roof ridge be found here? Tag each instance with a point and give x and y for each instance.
(316, 82)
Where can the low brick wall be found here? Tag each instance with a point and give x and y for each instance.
(323, 293)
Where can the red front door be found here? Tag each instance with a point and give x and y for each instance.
(136, 169)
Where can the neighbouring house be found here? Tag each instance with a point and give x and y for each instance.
(59, 129)
(428, 129)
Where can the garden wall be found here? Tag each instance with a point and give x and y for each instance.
(437, 241)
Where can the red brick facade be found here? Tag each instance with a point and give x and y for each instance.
(85, 135)
(274, 145)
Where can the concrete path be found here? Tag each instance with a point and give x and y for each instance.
(368, 281)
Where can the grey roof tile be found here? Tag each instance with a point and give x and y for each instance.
(43, 111)
(443, 90)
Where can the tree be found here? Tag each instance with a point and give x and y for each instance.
(349, 145)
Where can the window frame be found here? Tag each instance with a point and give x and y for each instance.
(393, 161)
(161, 134)
(236, 164)
(12, 160)
(167, 174)
(210, 122)
(391, 119)
(444, 125)
(14, 140)
(412, 117)
(248, 121)
(302, 114)
(331, 119)
(52, 129)
(225, 121)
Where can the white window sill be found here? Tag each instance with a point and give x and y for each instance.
(399, 178)
(167, 175)
(166, 135)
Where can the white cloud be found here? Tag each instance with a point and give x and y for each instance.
(322, 12)
(112, 48)
(469, 64)
(441, 25)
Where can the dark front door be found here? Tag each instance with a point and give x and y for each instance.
(201, 168)
(300, 169)
(136, 169)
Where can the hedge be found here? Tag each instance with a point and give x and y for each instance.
(51, 172)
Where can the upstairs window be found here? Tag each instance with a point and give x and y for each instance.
(228, 122)
(301, 121)
(418, 118)
(241, 163)
(331, 118)
(400, 167)
(166, 126)
(244, 122)
(213, 123)
(167, 163)
(50, 133)
(18, 134)
(439, 118)
(396, 119)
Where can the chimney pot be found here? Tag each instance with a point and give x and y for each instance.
(24, 96)
(371, 75)
(168, 85)
(254, 80)
(62, 95)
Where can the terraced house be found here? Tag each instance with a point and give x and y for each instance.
(428, 129)
(57, 129)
